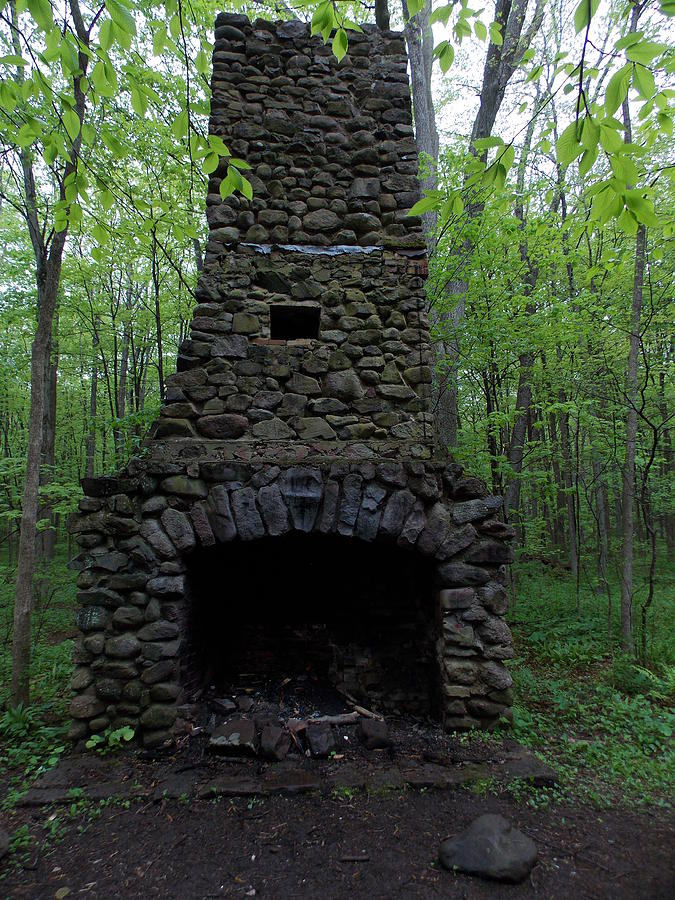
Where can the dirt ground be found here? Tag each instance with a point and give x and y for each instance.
(327, 843)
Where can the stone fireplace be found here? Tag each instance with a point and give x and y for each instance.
(291, 507)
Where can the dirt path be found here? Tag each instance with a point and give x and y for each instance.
(329, 847)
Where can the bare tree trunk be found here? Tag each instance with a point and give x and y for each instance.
(48, 285)
(158, 315)
(602, 522)
(382, 15)
(90, 446)
(48, 258)
(632, 388)
(628, 480)
(46, 536)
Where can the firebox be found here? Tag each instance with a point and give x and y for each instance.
(291, 511)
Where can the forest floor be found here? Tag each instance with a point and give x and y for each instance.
(170, 827)
(120, 824)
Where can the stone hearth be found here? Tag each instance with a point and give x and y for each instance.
(290, 503)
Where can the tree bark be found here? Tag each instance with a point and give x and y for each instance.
(48, 259)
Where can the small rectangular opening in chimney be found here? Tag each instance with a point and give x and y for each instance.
(289, 322)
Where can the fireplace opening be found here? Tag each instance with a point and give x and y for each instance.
(289, 322)
(332, 610)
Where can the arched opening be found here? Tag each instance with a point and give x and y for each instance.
(334, 610)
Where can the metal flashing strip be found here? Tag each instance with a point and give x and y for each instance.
(313, 249)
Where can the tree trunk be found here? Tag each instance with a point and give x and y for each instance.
(90, 446)
(48, 286)
(628, 480)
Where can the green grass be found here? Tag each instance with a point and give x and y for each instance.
(604, 722)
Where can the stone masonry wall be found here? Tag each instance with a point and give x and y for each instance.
(260, 436)
(331, 144)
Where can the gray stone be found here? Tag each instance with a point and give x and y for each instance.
(273, 509)
(349, 507)
(395, 513)
(230, 346)
(161, 671)
(490, 552)
(158, 716)
(459, 574)
(472, 510)
(237, 737)
(344, 385)
(370, 513)
(321, 739)
(167, 586)
(314, 429)
(201, 525)
(273, 430)
(86, 706)
(127, 617)
(321, 220)
(160, 630)
(177, 526)
(155, 535)
(374, 734)
(302, 490)
(124, 646)
(246, 515)
(413, 526)
(226, 426)
(220, 517)
(190, 488)
(275, 743)
(92, 618)
(491, 847)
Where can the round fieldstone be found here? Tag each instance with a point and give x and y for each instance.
(491, 847)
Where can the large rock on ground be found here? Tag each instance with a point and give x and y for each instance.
(492, 848)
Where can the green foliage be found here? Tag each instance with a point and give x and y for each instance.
(111, 740)
(604, 723)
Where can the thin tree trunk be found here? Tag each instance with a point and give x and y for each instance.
(90, 446)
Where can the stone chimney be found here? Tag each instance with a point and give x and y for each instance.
(293, 462)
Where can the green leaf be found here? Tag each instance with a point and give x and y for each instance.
(534, 74)
(628, 222)
(158, 40)
(340, 44)
(246, 188)
(425, 205)
(139, 102)
(217, 144)
(210, 163)
(643, 82)
(487, 142)
(445, 54)
(414, 6)
(645, 51)
(584, 13)
(496, 34)
(507, 158)
(107, 200)
(480, 30)
(13, 60)
(174, 26)
(610, 141)
(587, 160)
(180, 125)
(201, 62)
(568, 145)
(41, 11)
(665, 123)
(239, 163)
(71, 122)
(121, 16)
(617, 89)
